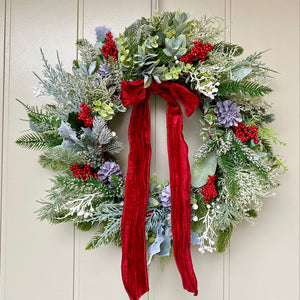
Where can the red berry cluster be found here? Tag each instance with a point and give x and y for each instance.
(84, 174)
(246, 133)
(110, 49)
(199, 51)
(84, 115)
(209, 190)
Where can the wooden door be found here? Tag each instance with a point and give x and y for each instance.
(39, 261)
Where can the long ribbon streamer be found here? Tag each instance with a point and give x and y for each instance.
(134, 265)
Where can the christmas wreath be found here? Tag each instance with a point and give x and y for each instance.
(234, 168)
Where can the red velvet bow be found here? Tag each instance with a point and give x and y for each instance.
(134, 265)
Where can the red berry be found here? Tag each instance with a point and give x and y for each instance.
(199, 51)
(84, 115)
(246, 133)
(209, 190)
(84, 174)
(110, 49)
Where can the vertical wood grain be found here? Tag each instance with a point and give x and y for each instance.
(98, 272)
(265, 258)
(36, 259)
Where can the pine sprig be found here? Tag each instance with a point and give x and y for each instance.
(228, 168)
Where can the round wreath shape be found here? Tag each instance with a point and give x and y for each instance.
(183, 61)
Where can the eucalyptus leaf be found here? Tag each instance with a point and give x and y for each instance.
(203, 168)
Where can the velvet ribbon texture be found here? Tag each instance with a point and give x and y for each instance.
(134, 264)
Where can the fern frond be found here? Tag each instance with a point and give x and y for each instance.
(32, 141)
(37, 141)
(248, 88)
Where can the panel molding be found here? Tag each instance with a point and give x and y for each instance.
(76, 233)
(226, 255)
(5, 10)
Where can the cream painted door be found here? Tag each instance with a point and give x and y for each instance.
(43, 262)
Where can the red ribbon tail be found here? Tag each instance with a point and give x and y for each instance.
(134, 265)
(180, 183)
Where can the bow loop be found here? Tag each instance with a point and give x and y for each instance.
(171, 91)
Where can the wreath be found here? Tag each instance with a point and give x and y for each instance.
(234, 168)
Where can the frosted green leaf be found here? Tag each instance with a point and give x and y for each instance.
(92, 67)
(240, 73)
(203, 168)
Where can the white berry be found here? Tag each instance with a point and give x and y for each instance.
(195, 206)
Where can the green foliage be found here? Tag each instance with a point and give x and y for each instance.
(224, 239)
(248, 88)
(206, 29)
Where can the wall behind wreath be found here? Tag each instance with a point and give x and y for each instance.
(43, 262)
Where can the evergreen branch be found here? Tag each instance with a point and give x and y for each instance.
(228, 48)
(86, 51)
(59, 159)
(224, 239)
(43, 121)
(247, 154)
